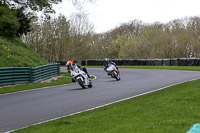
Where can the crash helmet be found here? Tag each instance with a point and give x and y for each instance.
(69, 64)
(106, 60)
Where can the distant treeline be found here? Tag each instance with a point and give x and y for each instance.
(74, 39)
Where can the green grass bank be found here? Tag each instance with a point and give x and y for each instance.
(15, 53)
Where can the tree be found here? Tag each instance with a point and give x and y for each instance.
(8, 22)
(118, 45)
(80, 35)
(61, 39)
(24, 21)
(193, 26)
(101, 46)
(51, 39)
(34, 5)
(22, 10)
(130, 48)
(39, 5)
(184, 44)
(25, 10)
(132, 28)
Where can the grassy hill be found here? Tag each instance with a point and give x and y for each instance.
(15, 53)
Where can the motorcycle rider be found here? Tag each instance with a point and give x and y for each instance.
(70, 65)
(107, 62)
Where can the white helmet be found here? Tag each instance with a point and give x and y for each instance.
(69, 64)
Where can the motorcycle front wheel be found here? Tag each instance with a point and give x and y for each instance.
(90, 85)
(81, 83)
(117, 77)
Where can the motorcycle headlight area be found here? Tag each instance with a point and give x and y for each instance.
(76, 70)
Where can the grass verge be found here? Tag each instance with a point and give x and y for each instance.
(66, 79)
(171, 110)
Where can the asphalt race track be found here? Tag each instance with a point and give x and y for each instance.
(22, 109)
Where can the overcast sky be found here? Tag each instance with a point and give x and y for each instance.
(107, 14)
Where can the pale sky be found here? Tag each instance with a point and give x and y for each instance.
(107, 14)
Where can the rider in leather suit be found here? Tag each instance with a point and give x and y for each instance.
(71, 64)
(107, 62)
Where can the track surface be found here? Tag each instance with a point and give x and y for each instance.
(22, 109)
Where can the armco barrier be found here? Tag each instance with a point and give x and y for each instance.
(21, 75)
(44, 72)
(14, 75)
(147, 62)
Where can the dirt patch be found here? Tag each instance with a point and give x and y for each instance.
(53, 78)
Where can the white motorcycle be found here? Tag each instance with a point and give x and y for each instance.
(113, 71)
(81, 77)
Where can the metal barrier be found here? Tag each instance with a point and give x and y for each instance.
(14, 75)
(21, 75)
(44, 72)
